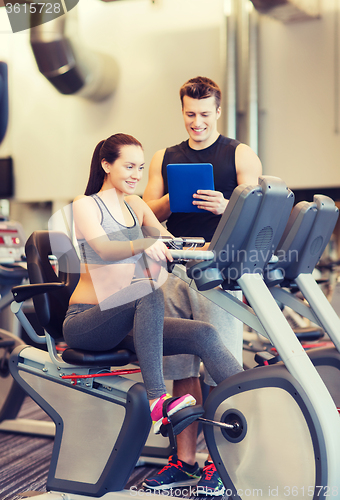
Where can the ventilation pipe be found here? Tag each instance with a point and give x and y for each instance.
(242, 72)
(69, 66)
(3, 99)
(288, 11)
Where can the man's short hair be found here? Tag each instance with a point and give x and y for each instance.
(201, 88)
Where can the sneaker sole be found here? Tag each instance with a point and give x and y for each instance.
(183, 404)
(180, 484)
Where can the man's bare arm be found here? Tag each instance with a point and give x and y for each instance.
(248, 165)
(154, 192)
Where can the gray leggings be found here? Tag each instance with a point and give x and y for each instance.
(141, 327)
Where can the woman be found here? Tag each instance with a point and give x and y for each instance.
(108, 302)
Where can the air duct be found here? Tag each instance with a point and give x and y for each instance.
(69, 66)
(288, 11)
(3, 99)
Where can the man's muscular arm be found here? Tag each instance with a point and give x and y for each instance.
(248, 165)
(154, 192)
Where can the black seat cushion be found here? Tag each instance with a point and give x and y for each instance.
(114, 357)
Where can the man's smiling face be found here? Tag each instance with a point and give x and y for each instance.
(200, 119)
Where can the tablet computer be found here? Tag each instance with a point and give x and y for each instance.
(184, 179)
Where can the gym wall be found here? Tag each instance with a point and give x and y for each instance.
(299, 121)
(157, 47)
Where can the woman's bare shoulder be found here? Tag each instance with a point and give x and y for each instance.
(84, 206)
(83, 200)
(134, 201)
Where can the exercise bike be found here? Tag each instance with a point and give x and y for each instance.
(264, 396)
(290, 276)
(102, 423)
(13, 272)
(11, 250)
(307, 233)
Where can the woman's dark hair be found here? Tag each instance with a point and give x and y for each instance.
(201, 88)
(108, 150)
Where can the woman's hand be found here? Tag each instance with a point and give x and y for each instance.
(155, 260)
(159, 252)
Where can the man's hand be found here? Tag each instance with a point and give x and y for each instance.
(212, 201)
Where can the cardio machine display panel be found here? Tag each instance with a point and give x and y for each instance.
(12, 242)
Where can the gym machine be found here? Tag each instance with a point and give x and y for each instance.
(280, 431)
(307, 233)
(268, 400)
(303, 242)
(13, 272)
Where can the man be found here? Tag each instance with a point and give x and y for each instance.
(233, 164)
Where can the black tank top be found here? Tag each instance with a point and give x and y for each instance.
(221, 154)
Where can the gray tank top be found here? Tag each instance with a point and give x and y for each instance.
(115, 232)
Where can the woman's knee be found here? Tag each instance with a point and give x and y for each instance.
(207, 333)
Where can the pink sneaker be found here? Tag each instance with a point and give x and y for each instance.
(157, 408)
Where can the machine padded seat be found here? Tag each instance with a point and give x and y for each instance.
(113, 357)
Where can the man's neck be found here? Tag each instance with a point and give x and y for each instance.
(204, 144)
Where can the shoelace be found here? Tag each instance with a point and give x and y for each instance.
(171, 464)
(209, 471)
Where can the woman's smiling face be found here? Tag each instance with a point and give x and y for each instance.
(125, 173)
